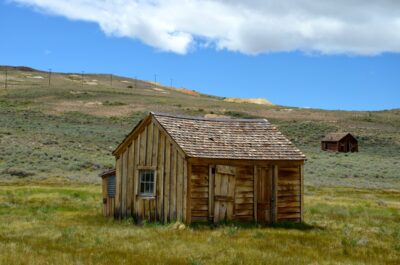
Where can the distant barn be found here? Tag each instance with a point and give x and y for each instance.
(339, 142)
(178, 168)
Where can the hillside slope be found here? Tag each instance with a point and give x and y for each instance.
(67, 129)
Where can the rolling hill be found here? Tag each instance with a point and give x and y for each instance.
(65, 129)
(55, 138)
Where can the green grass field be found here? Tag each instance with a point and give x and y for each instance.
(54, 140)
(57, 224)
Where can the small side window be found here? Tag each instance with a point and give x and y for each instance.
(111, 186)
(146, 183)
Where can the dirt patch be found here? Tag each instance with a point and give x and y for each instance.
(186, 91)
(35, 76)
(160, 90)
(260, 101)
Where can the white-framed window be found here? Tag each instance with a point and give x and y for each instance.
(147, 182)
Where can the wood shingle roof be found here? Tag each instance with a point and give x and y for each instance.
(228, 138)
(335, 137)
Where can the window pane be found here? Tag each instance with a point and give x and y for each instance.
(151, 177)
(111, 186)
(142, 175)
(146, 182)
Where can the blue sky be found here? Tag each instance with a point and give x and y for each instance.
(315, 78)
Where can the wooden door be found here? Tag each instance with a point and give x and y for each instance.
(264, 195)
(224, 192)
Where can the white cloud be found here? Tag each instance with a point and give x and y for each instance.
(362, 27)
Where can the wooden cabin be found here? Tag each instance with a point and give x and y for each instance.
(339, 142)
(177, 168)
(108, 184)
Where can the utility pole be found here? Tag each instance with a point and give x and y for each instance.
(155, 80)
(5, 83)
(111, 76)
(135, 82)
(171, 82)
(82, 77)
(49, 75)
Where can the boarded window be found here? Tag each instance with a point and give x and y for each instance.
(146, 182)
(111, 186)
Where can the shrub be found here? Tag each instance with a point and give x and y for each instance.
(18, 173)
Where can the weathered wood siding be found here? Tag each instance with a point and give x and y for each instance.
(219, 192)
(199, 193)
(192, 190)
(151, 148)
(108, 202)
(234, 191)
(244, 193)
(289, 194)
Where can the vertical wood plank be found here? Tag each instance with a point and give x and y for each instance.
(255, 188)
(136, 177)
(117, 212)
(189, 194)
(211, 192)
(172, 206)
(104, 195)
(185, 188)
(129, 186)
(217, 191)
(148, 209)
(112, 206)
(156, 139)
(124, 181)
(231, 193)
(273, 193)
(301, 192)
(276, 178)
(149, 144)
(167, 174)
(160, 177)
(132, 177)
(179, 187)
(142, 153)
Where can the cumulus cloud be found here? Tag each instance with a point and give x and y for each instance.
(357, 27)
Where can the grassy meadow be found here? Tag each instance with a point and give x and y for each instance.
(55, 224)
(55, 140)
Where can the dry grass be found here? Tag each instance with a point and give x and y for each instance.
(41, 224)
(260, 101)
(65, 134)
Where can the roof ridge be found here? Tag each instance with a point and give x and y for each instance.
(187, 117)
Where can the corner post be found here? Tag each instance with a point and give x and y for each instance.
(255, 181)
(301, 168)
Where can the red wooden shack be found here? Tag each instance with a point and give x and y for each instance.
(339, 142)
